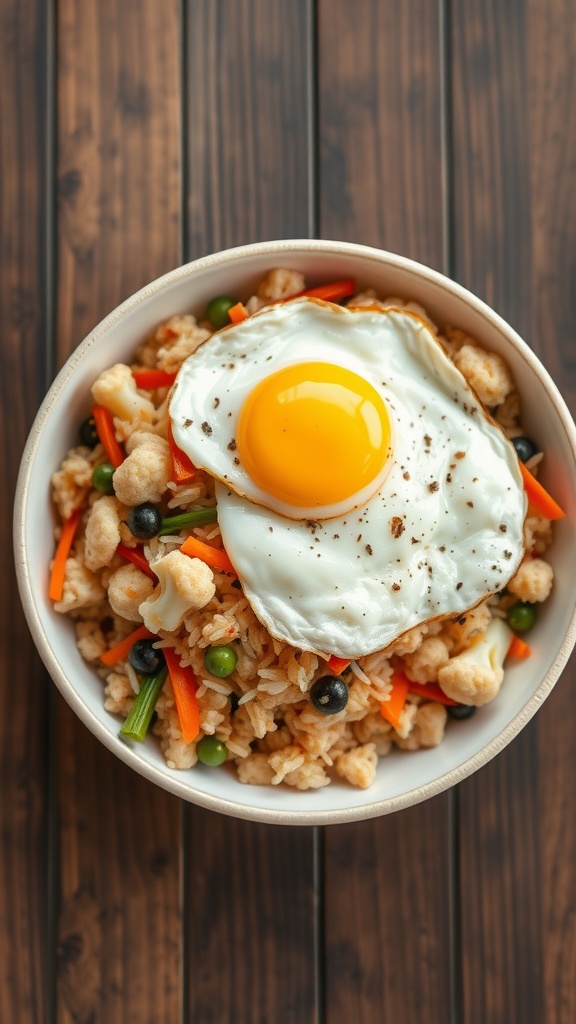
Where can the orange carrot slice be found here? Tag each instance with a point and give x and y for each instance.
(519, 648)
(337, 665)
(216, 558)
(58, 570)
(184, 685)
(183, 471)
(105, 430)
(390, 709)
(538, 497)
(238, 313)
(150, 379)
(332, 292)
(122, 649)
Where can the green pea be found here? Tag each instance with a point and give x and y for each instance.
(217, 311)
(220, 661)
(521, 616)
(102, 478)
(211, 751)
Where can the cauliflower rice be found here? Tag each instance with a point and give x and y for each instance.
(262, 711)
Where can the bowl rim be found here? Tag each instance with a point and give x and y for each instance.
(170, 779)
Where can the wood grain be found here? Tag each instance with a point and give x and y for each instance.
(514, 200)
(387, 916)
(24, 703)
(251, 899)
(118, 166)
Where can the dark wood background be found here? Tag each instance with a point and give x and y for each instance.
(138, 134)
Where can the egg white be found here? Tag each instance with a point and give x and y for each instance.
(443, 531)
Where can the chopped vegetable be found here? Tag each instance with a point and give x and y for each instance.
(329, 694)
(216, 558)
(58, 570)
(337, 665)
(518, 648)
(88, 433)
(332, 292)
(538, 497)
(211, 751)
(103, 478)
(238, 313)
(431, 691)
(136, 725)
(182, 469)
(135, 556)
(150, 379)
(391, 709)
(196, 517)
(144, 520)
(184, 685)
(220, 660)
(217, 311)
(122, 649)
(521, 616)
(146, 658)
(105, 427)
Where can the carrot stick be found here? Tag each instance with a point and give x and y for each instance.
(333, 291)
(518, 648)
(390, 709)
(337, 665)
(150, 379)
(216, 558)
(184, 685)
(137, 558)
(122, 649)
(182, 469)
(105, 430)
(538, 497)
(431, 691)
(58, 570)
(238, 313)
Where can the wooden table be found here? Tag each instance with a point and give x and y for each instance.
(136, 135)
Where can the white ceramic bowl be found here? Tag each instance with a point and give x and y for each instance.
(402, 778)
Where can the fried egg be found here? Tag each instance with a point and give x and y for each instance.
(362, 489)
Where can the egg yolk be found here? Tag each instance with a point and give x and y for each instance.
(313, 434)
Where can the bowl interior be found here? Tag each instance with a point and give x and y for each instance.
(402, 778)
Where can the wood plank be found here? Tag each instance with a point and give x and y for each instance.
(251, 902)
(24, 696)
(387, 917)
(513, 200)
(118, 165)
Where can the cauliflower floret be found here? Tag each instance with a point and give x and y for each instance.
(144, 474)
(422, 666)
(537, 534)
(128, 587)
(457, 633)
(429, 726)
(475, 676)
(281, 284)
(533, 581)
(72, 480)
(81, 587)
(358, 766)
(116, 389)
(102, 532)
(188, 337)
(90, 639)
(184, 584)
(486, 373)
